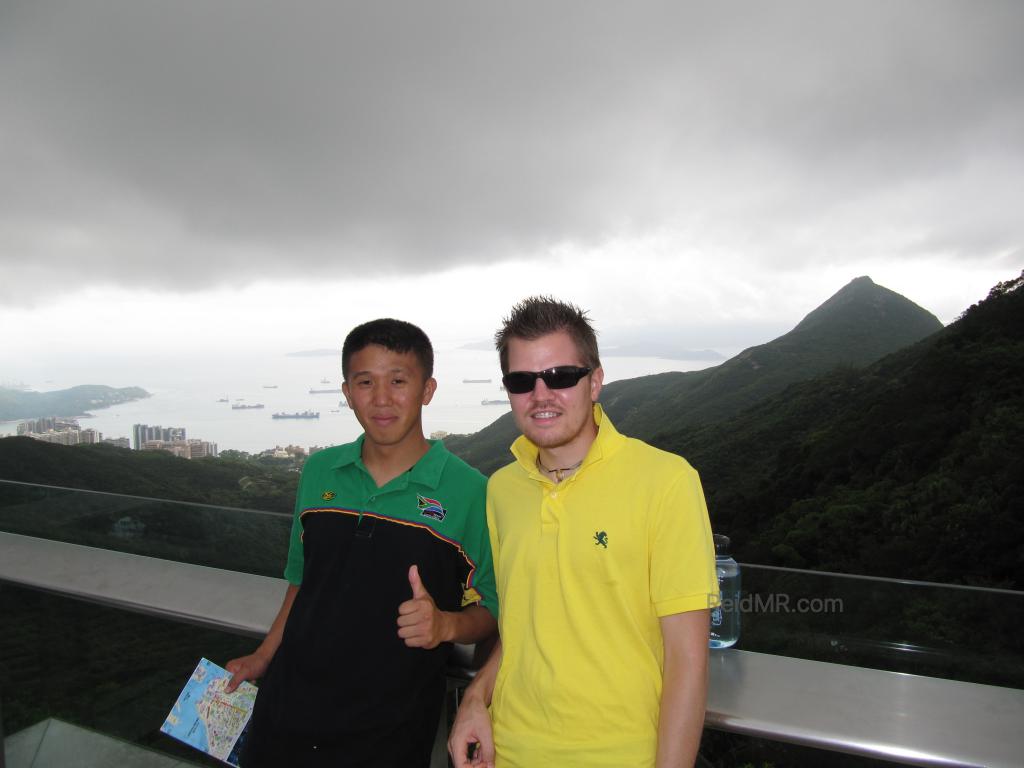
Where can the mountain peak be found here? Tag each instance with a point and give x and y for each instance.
(873, 307)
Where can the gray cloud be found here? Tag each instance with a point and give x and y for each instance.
(186, 145)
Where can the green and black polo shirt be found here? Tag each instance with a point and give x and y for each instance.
(342, 671)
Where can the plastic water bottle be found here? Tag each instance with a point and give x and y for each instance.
(725, 619)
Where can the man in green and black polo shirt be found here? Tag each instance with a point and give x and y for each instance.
(389, 564)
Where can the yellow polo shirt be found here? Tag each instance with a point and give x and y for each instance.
(584, 571)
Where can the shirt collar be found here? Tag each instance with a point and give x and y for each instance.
(427, 471)
(350, 453)
(607, 442)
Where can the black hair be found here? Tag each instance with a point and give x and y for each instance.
(540, 315)
(395, 335)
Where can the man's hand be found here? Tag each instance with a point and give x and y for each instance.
(251, 667)
(420, 623)
(471, 730)
(255, 665)
(472, 726)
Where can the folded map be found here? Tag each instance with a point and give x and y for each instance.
(207, 718)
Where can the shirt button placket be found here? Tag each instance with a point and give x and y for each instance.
(551, 508)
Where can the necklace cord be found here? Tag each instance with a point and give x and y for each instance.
(559, 472)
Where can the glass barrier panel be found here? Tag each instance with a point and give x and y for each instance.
(940, 630)
(111, 671)
(250, 541)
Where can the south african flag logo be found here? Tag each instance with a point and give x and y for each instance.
(430, 508)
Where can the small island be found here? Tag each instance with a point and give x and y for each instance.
(73, 403)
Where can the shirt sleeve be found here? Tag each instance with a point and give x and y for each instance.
(296, 557)
(682, 550)
(480, 586)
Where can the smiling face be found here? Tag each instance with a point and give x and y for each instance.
(558, 421)
(387, 391)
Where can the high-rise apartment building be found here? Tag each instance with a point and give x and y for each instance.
(143, 433)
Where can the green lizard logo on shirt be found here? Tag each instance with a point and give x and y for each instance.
(601, 537)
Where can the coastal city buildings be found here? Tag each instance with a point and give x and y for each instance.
(48, 424)
(289, 452)
(58, 430)
(145, 437)
(186, 449)
(170, 439)
(66, 431)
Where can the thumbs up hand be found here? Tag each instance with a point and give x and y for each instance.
(416, 583)
(420, 623)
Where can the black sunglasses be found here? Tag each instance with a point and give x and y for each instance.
(559, 377)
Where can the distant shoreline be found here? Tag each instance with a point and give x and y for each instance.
(72, 403)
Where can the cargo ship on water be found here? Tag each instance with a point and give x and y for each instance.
(244, 407)
(302, 415)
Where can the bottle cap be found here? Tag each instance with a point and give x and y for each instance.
(721, 544)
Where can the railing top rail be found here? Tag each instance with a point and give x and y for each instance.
(888, 580)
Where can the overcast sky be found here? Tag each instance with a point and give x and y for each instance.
(227, 173)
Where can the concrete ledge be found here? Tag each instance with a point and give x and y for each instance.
(229, 600)
(889, 715)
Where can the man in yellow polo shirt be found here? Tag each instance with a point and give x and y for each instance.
(605, 572)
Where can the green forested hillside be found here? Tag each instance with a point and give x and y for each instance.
(856, 326)
(912, 467)
(147, 473)
(15, 404)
